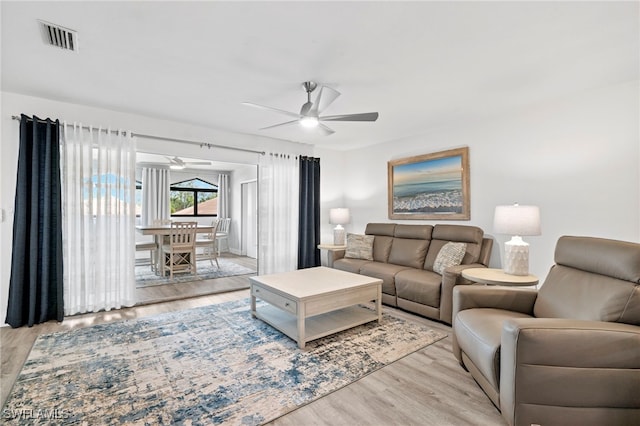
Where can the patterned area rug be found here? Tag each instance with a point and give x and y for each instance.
(145, 277)
(211, 365)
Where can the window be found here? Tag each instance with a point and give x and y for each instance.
(194, 197)
(106, 194)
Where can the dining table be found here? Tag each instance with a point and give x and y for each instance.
(160, 231)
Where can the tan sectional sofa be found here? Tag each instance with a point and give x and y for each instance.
(404, 256)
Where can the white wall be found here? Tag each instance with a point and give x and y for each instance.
(578, 159)
(332, 188)
(15, 104)
(239, 176)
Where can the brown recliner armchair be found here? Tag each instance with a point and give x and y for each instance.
(566, 354)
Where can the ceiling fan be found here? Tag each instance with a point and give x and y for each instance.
(178, 163)
(309, 115)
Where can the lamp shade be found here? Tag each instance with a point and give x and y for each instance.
(339, 216)
(517, 220)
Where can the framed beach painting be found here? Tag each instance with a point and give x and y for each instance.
(431, 186)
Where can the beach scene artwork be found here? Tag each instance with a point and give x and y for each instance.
(433, 186)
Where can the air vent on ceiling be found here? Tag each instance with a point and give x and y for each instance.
(55, 35)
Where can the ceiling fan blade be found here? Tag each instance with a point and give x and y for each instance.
(198, 163)
(365, 116)
(281, 111)
(324, 130)
(321, 128)
(280, 124)
(326, 96)
(175, 160)
(306, 108)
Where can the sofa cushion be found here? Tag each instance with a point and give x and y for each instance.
(572, 293)
(350, 265)
(450, 254)
(617, 259)
(593, 279)
(386, 229)
(419, 286)
(382, 248)
(414, 232)
(478, 332)
(442, 234)
(383, 233)
(359, 247)
(408, 252)
(385, 271)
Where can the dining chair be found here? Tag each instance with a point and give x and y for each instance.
(208, 244)
(156, 243)
(223, 233)
(180, 252)
(152, 248)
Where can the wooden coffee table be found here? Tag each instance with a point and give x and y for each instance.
(311, 303)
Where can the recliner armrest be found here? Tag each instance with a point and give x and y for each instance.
(497, 297)
(549, 364)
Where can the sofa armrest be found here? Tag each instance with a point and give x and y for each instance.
(456, 271)
(336, 254)
(451, 277)
(548, 365)
(497, 297)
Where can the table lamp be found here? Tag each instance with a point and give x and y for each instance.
(517, 221)
(339, 217)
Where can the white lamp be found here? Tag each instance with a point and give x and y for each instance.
(516, 221)
(339, 217)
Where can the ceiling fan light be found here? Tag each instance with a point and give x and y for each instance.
(309, 122)
(176, 167)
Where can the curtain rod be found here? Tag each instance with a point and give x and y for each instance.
(18, 118)
(140, 135)
(201, 144)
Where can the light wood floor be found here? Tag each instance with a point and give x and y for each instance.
(427, 387)
(168, 292)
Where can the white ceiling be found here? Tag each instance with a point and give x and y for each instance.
(421, 65)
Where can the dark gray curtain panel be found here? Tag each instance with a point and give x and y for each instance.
(309, 213)
(36, 283)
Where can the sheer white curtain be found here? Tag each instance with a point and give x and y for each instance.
(278, 205)
(223, 195)
(155, 195)
(98, 208)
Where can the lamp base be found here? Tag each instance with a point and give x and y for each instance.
(516, 257)
(338, 235)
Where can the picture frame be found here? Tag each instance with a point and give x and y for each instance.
(431, 186)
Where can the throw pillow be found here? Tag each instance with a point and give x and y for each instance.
(359, 246)
(450, 254)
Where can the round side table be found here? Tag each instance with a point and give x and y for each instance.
(492, 276)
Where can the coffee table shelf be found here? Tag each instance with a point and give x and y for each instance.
(316, 326)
